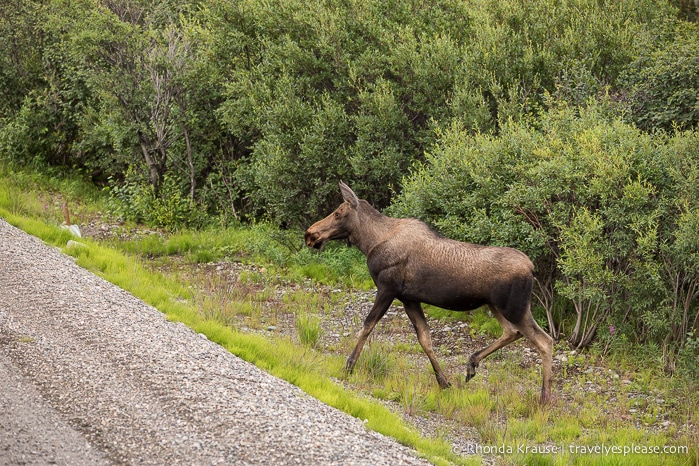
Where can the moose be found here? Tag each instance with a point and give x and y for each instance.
(413, 264)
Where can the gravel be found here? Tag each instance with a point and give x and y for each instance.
(89, 375)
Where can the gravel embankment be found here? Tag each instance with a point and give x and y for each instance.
(91, 375)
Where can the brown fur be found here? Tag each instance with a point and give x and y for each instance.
(411, 263)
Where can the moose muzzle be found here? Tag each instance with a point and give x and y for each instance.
(313, 239)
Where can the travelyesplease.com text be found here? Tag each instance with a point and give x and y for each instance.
(554, 449)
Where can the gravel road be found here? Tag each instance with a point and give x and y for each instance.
(90, 375)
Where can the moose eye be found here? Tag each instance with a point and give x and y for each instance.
(337, 215)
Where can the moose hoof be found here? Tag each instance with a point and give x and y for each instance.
(471, 371)
(545, 396)
(443, 383)
(349, 366)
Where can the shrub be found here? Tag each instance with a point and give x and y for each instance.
(171, 209)
(663, 82)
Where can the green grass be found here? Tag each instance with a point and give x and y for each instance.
(258, 244)
(499, 406)
(308, 326)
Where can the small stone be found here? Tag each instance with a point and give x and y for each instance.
(74, 230)
(272, 328)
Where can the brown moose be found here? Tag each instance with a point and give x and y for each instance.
(411, 263)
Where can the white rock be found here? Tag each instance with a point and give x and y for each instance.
(74, 230)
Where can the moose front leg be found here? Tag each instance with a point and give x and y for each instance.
(417, 317)
(381, 303)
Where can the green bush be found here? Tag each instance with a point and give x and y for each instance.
(663, 82)
(136, 200)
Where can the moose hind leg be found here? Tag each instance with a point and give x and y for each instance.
(509, 334)
(417, 317)
(543, 342)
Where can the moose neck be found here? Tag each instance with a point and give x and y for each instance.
(371, 229)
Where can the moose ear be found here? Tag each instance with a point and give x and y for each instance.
(348, 195)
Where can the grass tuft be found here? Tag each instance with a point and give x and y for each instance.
(308, 327)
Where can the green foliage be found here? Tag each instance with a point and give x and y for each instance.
(137, 201)
(663, 82)
(257, 108)
(483, 323)
(689, 356)
(20, 53)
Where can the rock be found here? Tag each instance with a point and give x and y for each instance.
(74, 230)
